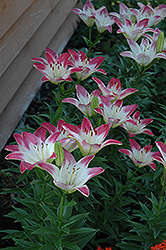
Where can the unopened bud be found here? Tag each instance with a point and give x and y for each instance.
(59, 153)
(160, 42)
(94, 104)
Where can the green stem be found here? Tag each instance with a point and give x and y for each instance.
(94, 43)
(90, 33)
(131, 177)
(72, 89)
(142, 71)
(43, 179)
(61, 211)
(162, 192)
(139, 77)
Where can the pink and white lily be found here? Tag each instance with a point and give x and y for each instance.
(140, 156)
(84, 100)
(114, 113)
(102, 20)
(86, 13)
(73, 175)
(33, 148)
(114, 91)
(161, 158)
(67, 143)
(139, 127)
(143, 54)
(86, 65)
(132, 30)
(55, 68)
(124, 13)
(155, 15)
(90, 140)
(158, 38)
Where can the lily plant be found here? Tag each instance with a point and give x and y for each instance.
(114, 113)
(155, 15)
(144, 53)
(86, 13)
(140, 156)
(132, 30)
(85, 65)
(113, 90)
(85, 100)
(72, 175)
(66, 142)
(102, 20)
(162, 149)
(55, 68)
(33, 148)
(124, 13)
(90, 140)
(139, 127)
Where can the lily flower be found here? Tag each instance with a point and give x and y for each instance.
(73, 175)
(90, 140)
(33, 148)
(124, 13)
(56, 68)
(102, 20)
(162, 148)
(114, 113)
(143, 54)
(155, 15)
(114, 91)
(140, 156)
(86, 65)
(84, 100)
(67, 143)
(158, 38)
(132, 30)
(139, 127)
(86, 13)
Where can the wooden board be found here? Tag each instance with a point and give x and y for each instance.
(17, 36)
(10, 11)
(21, 66)
(30, 84)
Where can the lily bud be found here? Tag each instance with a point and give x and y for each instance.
(59, 153)
(94, 104)
(160, 42)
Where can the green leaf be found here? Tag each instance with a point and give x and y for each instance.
(75, 218)
(24, 244)
(48, 246)
(83, 230)
(146, 210)
(70, 203)
(23, 176)
(129, 246)
(45, 231)
(12, 233)
(87, 41)
(37, 119)
(71, 245)
(12, 190)
(133, 237)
